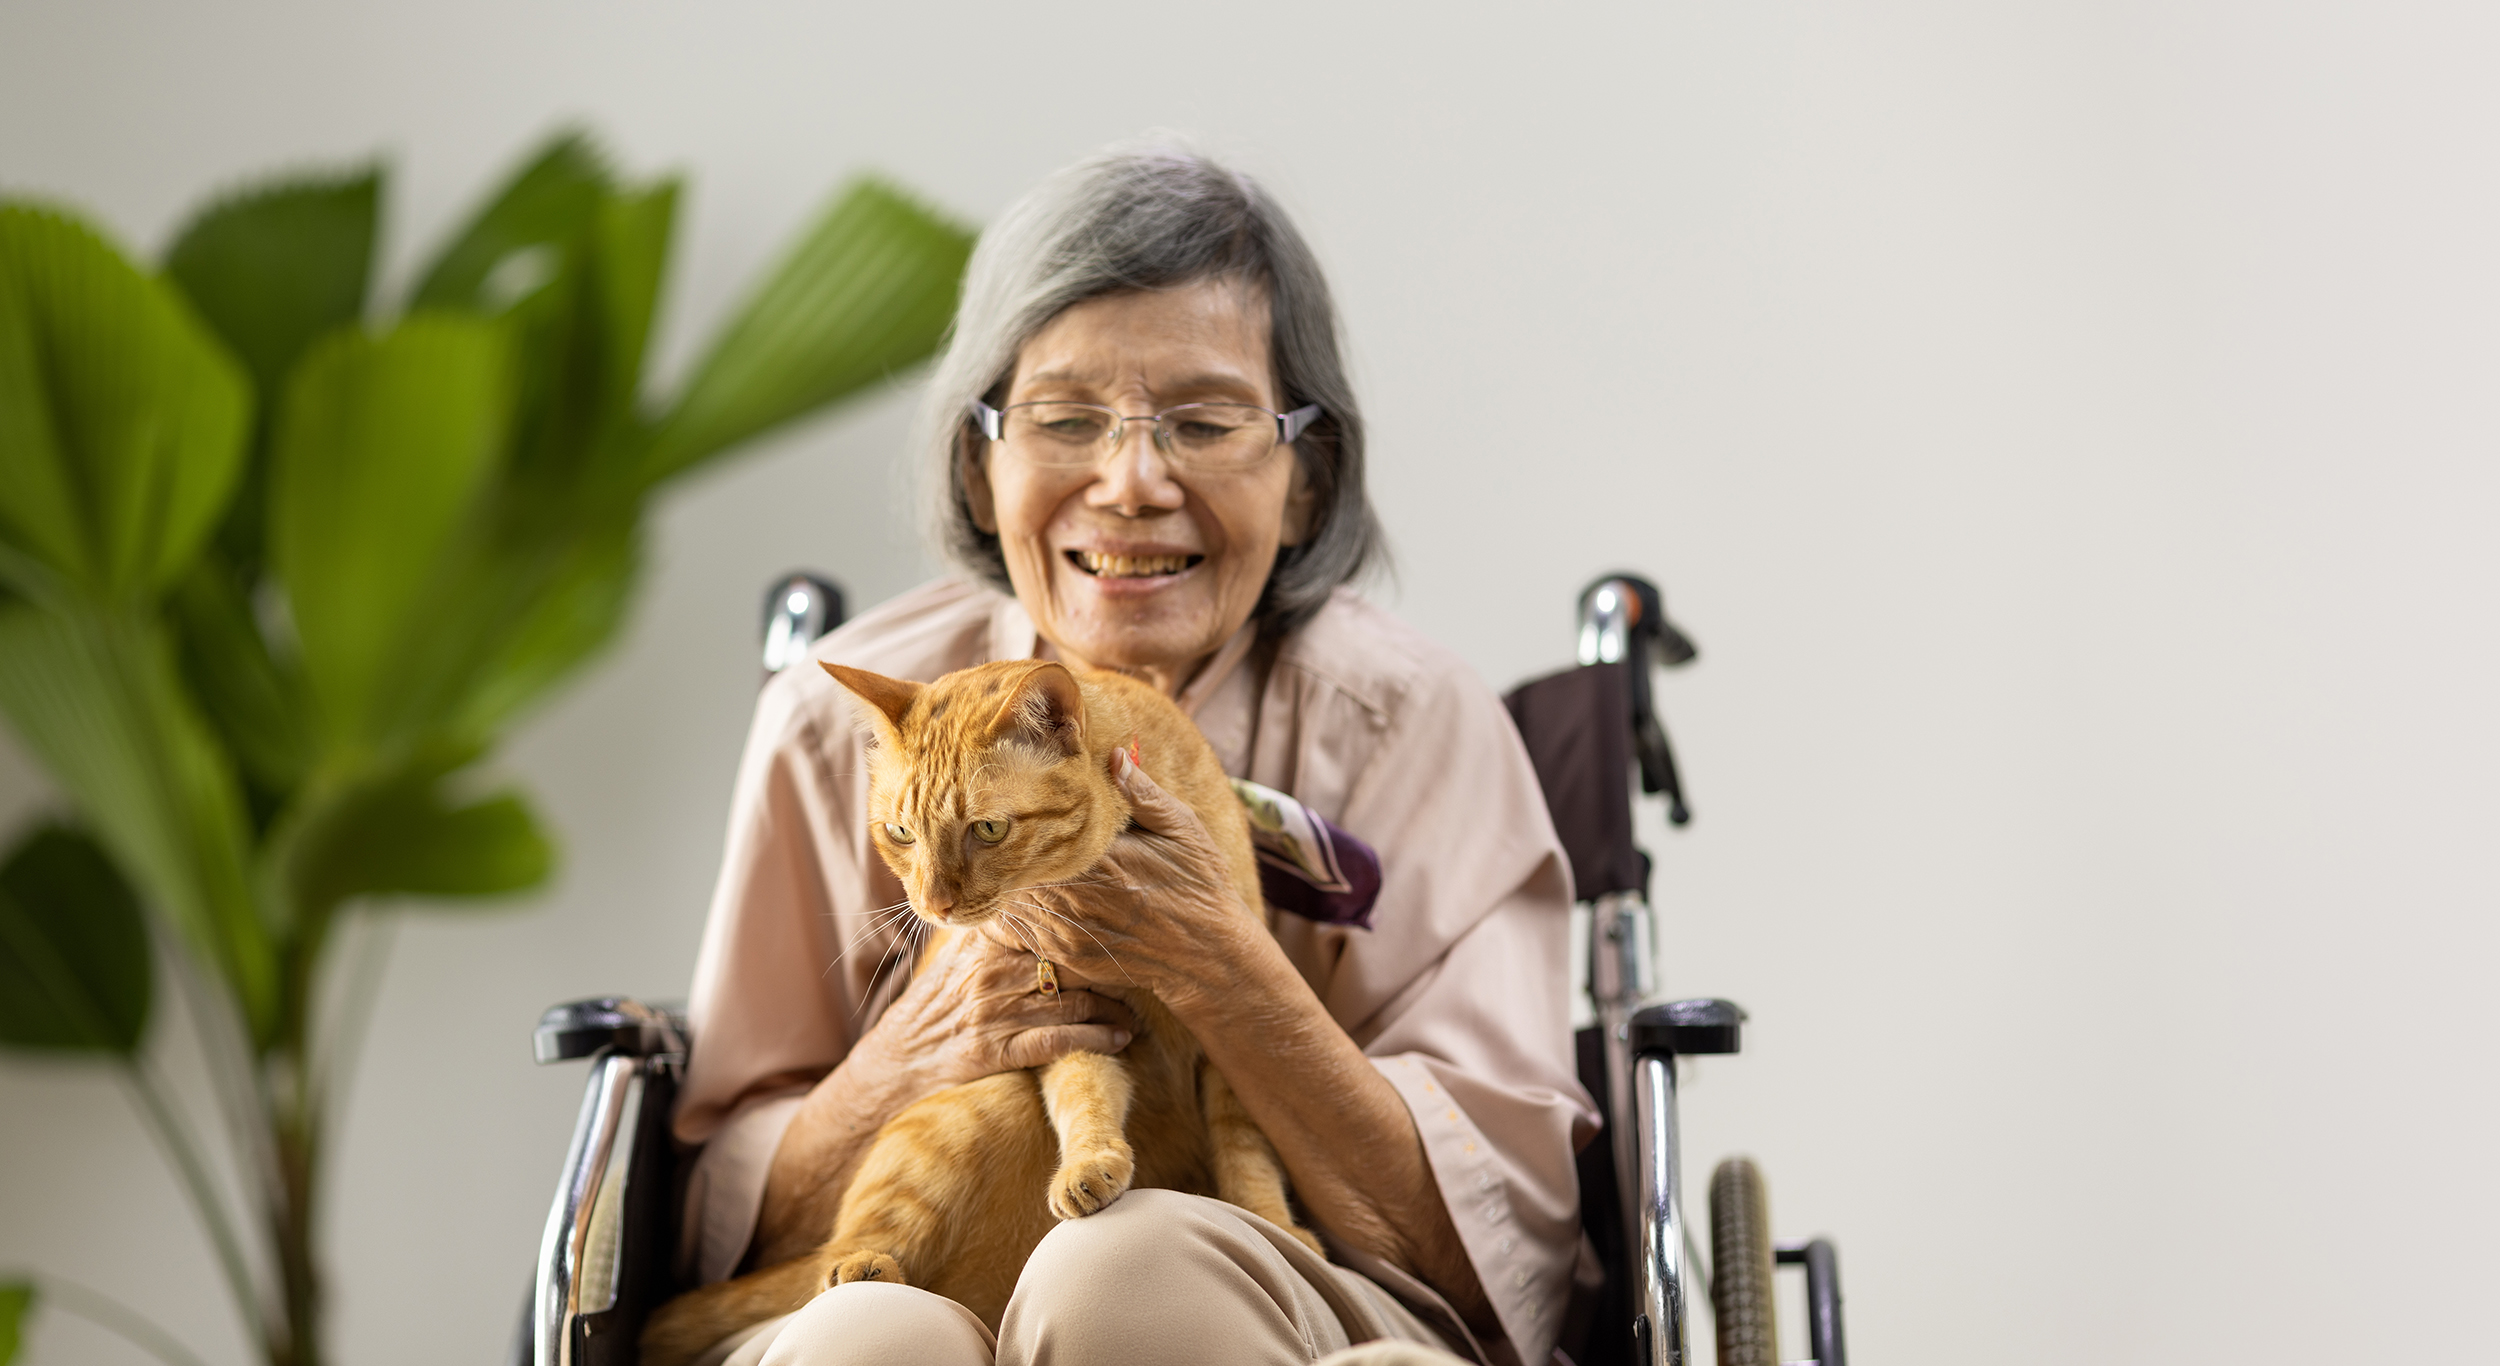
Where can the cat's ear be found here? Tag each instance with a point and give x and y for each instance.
(890, 696)
(1046, 706)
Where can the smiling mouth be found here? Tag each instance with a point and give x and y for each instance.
(1131, 566)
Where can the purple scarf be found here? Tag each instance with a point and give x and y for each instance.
(1306, 865)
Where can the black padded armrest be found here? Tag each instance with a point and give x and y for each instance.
(622, 1024)
(1704, 1025)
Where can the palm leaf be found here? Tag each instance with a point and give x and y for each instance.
(632, 236)
(273, 268)
(381, 455)
(574, 262)
(121, 419)
(866, 293)
(43, 527)
(97, 700)
(16, 1299)
(255, 701)
(572, 595)
(270, 269)
(407, 836)
(547, 203)
(75, 971)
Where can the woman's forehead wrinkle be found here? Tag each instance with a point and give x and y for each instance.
(1059, 374)
(1228, 381)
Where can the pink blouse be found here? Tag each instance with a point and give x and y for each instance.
(1458, 992)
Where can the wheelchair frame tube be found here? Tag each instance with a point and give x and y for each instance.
(1622, 973)
(1658, 1332)
(577, 1266)
(1822, 1264)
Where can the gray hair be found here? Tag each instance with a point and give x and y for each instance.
(1156, 217)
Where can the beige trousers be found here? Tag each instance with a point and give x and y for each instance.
(1158, 1277)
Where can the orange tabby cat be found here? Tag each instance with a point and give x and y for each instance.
(990, 781)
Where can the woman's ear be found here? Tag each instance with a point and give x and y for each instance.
(1300, 500)
(974, 471)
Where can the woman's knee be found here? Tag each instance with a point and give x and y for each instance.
(870, 1324)
(1155, 1278)
(1142, 1237)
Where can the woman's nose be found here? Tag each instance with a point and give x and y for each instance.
(1136, 475)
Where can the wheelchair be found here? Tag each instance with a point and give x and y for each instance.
(607, 1258)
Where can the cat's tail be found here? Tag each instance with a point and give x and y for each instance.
(694, 1322)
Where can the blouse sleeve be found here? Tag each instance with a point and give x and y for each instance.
(777, 985)
(1460, 993)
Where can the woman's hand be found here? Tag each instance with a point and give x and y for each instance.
(1158, 912)
(975, 1011)
(972, 1011)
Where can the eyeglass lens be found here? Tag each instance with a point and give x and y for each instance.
(1208, 434)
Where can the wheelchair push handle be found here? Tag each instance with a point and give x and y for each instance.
(1623, 618)
(798, 607)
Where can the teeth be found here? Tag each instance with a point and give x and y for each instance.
(1131, 566)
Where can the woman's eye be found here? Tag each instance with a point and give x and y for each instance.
(897, 833)
(989, 832)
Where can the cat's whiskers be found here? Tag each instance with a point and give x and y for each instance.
(1071, 882)
(1024, 932)
(879, 923)
(912, 929)
(908, 964)
(1079, 924)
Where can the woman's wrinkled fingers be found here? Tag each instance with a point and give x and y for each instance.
(1046, 1045)
(1158, 811)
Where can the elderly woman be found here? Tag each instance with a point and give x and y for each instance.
(1414, 1075)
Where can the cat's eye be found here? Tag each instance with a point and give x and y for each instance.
(989, 832)
(897, 833)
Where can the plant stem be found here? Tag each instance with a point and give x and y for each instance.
(113, 1316)
(352, 1012)
(172, 1135)
(231, 1070)
(295, 1124)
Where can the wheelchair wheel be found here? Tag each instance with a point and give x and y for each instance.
(1740, 1266)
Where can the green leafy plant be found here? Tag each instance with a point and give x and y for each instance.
(277, 574)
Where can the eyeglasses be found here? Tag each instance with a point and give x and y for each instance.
(1205, 436)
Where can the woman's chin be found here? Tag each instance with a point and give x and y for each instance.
(1140, 647)
(1116, 624)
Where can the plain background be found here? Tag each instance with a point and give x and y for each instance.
(2067, 428)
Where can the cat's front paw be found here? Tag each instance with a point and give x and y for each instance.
(1089, 1181)
(864, 1265)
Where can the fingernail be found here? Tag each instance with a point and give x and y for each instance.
(1119, 1040)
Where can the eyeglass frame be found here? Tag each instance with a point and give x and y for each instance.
(993, 421)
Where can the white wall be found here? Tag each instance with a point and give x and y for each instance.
(2067, 429)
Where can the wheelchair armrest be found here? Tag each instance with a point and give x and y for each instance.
(1704, 1025)
(605, 1260)
(621, 1024)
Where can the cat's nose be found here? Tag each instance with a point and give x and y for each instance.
(939, 908)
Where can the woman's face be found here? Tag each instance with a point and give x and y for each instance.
(1132, 563)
